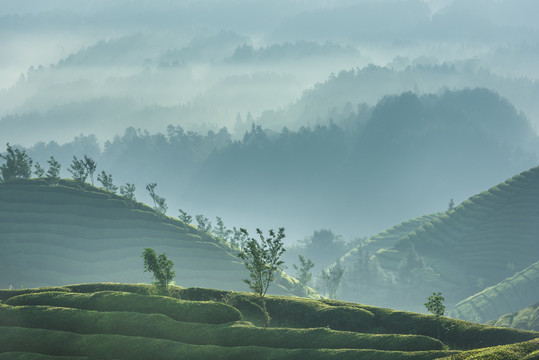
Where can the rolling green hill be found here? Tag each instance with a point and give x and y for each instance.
(487, 232)
(480, 243)
(509, 296)
(64, 234)
(525, 319)
(387, 238)
(125, 321)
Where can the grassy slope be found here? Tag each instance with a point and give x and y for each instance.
(528, 350)
(480, 243)
(384, 240)
(387, 238)
(488, 231)
(86, 321)
(508, 296)
(525, 319)
(56, 235)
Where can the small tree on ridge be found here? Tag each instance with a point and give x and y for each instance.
(160, 266)
(54, 169)
(304, 274)
(128, 192)
(159, 203)
(90, 166)
(435, 305)
(18, 164)
(78, 170)
(106, 180)
(262, 259)
(332, 278)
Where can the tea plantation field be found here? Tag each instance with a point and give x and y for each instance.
(69, 233)
(130, 321)
(509, 296)
(486, 239)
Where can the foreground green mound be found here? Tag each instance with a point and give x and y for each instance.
(69, 232)
(528, 350)
(134, 347)
(125, 321)
(181, 310)
(19, 355)
(509, 296)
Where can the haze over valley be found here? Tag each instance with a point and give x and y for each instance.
(396, 141)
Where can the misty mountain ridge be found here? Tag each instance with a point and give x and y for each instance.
(428, 140)
(48, 98)
(342, 95)
(182, 56)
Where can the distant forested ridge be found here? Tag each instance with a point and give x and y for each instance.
(406, 158)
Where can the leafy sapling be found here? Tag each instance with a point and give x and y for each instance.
(53, 173)
(303, 271)
(90, 166)
(239, 239)
(186, 218)
(160, 266)
(221, 231)
(39, 172)
(128, 193)
(435, 305)
(106, 180)
(18, 165)
(203, 223)
(262, 258)
(331, 278)
(159, 203)
(78, 170)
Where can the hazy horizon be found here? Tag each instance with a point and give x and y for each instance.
(99, 68)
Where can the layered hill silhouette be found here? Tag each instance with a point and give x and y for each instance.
(404, 157)
(54, 235)
(481, 242)
(129, 321)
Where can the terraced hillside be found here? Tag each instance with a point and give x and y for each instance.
(387, 238)
(491, 235)
(484, 240)
(363, 280)
(525, 319)
(509, 296)
(64, 234)
(122, 321)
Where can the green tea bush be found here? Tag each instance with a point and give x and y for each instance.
(528, 350)
(109, 346)
(182, 310)
(231, 334)
(19, 355)
(6, 294)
